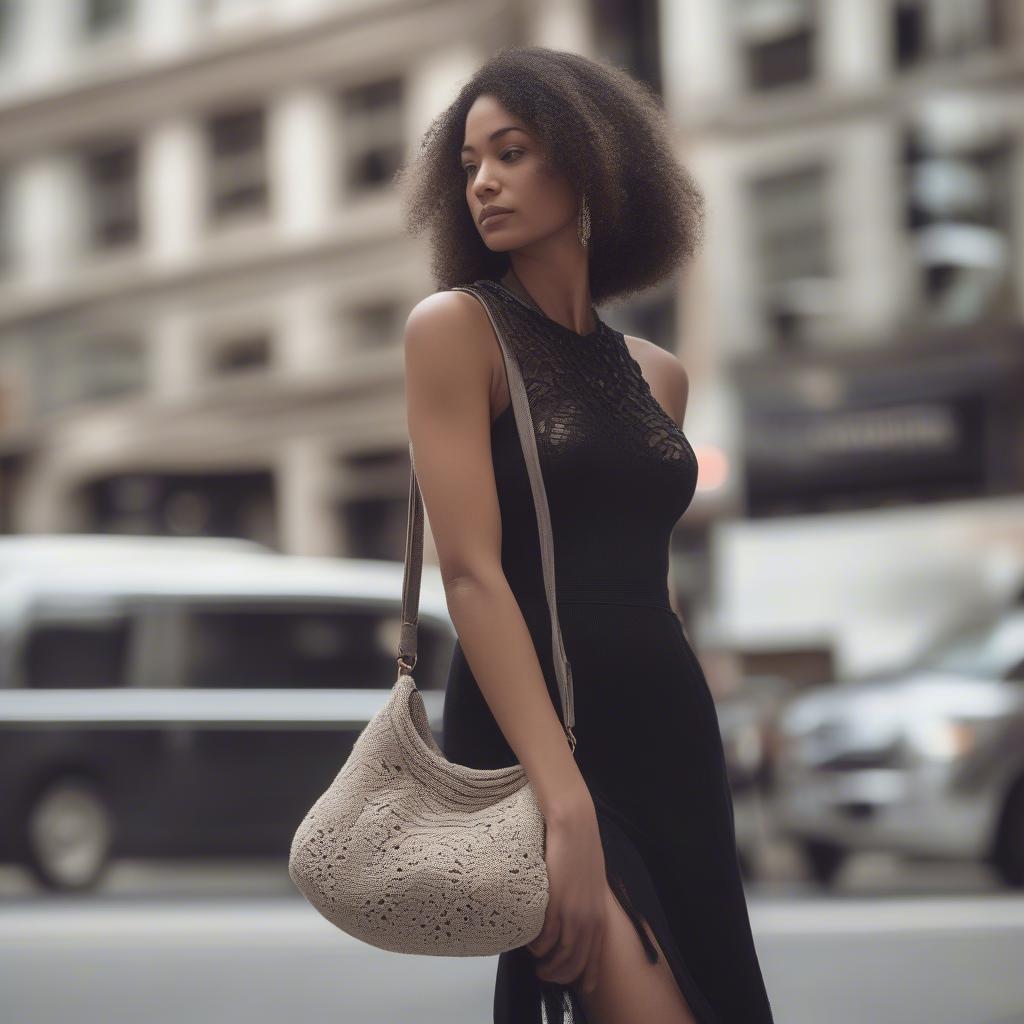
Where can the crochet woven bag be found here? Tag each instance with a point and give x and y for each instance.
(413, 853)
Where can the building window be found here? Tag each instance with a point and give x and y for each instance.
(926, 30)
(238, 164)
(113, 366)
(371, 507)
(243, 352)
(73, 366)
(628, 32)
(373, 134)
(778, 39)
(102, 17)
(373, 325)
(960, 212)
(111, 176)
(792, 247)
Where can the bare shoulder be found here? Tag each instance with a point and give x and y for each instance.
(450, 347)
(664, 372)
(441, 313)
(452, 325)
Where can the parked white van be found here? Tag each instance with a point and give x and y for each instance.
(188, 699)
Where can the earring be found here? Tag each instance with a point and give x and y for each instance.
(583, 223)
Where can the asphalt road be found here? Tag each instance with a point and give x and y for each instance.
(235, 944)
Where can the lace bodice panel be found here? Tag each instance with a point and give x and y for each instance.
(618, 471)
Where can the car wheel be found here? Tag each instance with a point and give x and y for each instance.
(69, 833)
(1009, 850)
(824, 859)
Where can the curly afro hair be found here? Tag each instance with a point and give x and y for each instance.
(605, 130)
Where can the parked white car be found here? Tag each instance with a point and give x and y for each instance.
(929, 762)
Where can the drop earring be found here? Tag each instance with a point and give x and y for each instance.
(583, 223)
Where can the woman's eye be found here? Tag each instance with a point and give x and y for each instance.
(508, 152)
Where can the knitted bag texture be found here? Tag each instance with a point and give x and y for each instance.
(413, 853)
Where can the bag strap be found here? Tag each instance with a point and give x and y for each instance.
(414, 534)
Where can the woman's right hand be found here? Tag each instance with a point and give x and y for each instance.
(569, 945)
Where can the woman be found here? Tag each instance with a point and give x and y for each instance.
(646, 919)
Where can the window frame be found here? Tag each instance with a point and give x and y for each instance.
(95, 192)
(175, 611)
(222, 169)
(67, 609)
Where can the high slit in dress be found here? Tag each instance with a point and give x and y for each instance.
(619, 473)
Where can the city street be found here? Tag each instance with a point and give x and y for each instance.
(752, 288)
(232, 943)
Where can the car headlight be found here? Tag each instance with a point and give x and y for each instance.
(943, 739)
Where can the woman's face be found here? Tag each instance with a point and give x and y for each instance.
(511, 170)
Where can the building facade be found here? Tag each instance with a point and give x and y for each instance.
(204, 276)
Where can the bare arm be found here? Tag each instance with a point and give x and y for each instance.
(450, 353)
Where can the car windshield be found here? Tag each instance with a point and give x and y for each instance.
(988, 652)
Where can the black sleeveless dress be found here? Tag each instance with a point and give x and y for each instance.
(618, 473)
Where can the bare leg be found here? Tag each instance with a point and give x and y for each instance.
(629, 987)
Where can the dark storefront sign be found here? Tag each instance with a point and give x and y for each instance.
(935, 418)
(227, 504)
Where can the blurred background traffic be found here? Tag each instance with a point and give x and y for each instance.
(204, 477)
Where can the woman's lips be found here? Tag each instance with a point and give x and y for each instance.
(494, 218)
